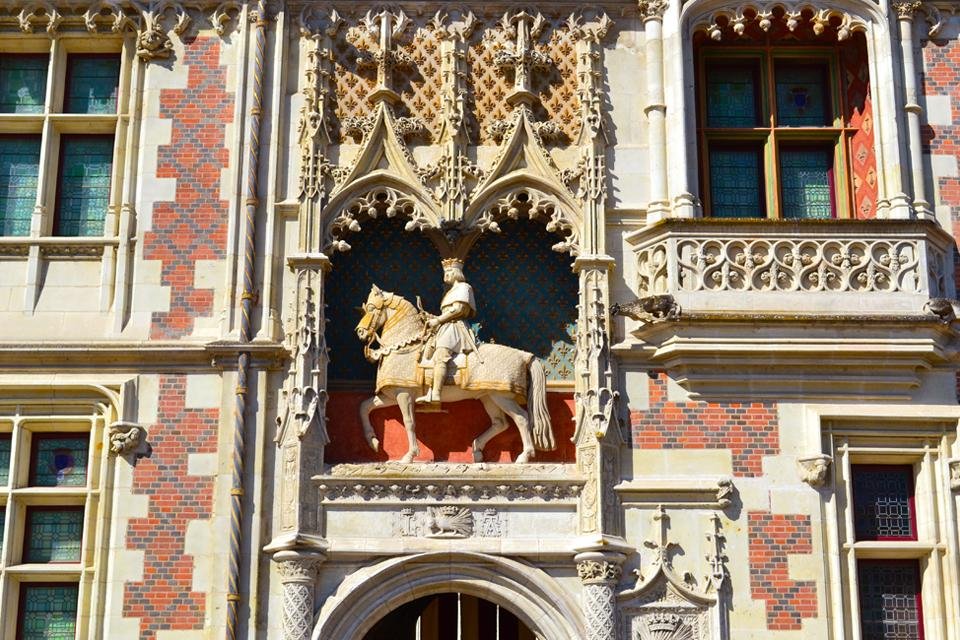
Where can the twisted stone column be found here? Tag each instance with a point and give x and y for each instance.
(298, 574)
(599, 573)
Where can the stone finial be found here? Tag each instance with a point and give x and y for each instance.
(524, 59)
(129, 440)
(813, 469)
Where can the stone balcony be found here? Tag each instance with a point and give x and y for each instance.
(792, 307)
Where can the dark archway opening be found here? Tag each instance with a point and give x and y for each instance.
(450, 616)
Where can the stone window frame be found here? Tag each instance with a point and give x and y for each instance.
(923, 436)
(23, 414)
(111, 248)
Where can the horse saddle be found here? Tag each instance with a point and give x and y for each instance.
(457, 365)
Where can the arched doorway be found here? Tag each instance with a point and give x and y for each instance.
(450, 615)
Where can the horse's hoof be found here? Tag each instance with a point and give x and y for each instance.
(524, 457)
(374, 444)
(477, 452)
(408, 458)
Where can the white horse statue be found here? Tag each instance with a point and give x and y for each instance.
(502, 378)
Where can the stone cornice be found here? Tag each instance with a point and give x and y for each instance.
(152, 355)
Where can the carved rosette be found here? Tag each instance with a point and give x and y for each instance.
(298, 575)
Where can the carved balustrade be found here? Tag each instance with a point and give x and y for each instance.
(834, 267)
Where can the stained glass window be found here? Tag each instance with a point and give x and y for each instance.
(92, 84)
(5, 443)
(806, 182)
(736, 182)
(890, 606)
(48, 611)
(19, 171)
(53, 535)
(83, 192)
(3, 526)
(883, 502)
(59, 461)
(732, 94)
(801, 95)
(23, 83)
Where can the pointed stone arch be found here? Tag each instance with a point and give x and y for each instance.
(370, 593)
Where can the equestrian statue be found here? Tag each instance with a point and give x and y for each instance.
(425, 360)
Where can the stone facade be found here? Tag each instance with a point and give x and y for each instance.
(714, 385)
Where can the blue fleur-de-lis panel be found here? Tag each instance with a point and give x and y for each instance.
(384, 254)
(526, 294)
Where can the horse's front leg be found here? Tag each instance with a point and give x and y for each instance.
(405, 400)
(374, 402)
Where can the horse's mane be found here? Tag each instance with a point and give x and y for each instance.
(407, 326)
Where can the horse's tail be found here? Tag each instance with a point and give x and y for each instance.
(537, 406)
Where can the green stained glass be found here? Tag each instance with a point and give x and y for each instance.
(806, 183)
(19, 170)
(59, 461)
(732, 96)
(48, 611)
(736, 183)
(92, 84)
(23, 83)
(801, 95)
(53, 535)
(5, 443)
(83, 192)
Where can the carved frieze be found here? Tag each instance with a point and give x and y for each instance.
(450, 521)
(152, 22)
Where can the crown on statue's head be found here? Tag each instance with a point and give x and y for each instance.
(452, 263)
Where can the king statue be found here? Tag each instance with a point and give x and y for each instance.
(451, 335)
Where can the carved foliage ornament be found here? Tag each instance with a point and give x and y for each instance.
(152, 22)
(598, 571)
(733, 21)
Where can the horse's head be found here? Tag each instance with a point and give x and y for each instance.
(374, 314)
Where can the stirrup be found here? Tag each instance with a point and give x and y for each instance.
(427, 398)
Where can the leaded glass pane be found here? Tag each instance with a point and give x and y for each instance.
(732, 92)
(801, 95)
(19, 171)
(23, 83)
(883, 502)
(5, 445)
(806, 183)
(53, 535)
(890, 600)
(92, 84)
(736, 183)
(3, 527)
(84, 189)
(48, 611)
(60, 461)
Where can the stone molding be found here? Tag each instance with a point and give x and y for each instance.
(730, 21)
(400, 482)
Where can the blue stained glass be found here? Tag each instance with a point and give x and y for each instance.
(806, 183)
(890, 600)
(23, 83)
(398, 261)
(60, 461)
(801, 95)
(736, 183)
(5, 444)
(19, 171)
(92, 84)
(48, 611)
(732, 96)
(53, 535)
(526, 294)
(83, 192)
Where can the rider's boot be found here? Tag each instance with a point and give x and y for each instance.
(432, 396)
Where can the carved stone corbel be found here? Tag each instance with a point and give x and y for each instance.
(954, 466)
(129, 440)
(813, 469)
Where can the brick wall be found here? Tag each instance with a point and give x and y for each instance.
(772, 539)
(164, 600)
(194, 226)
(748, 430)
